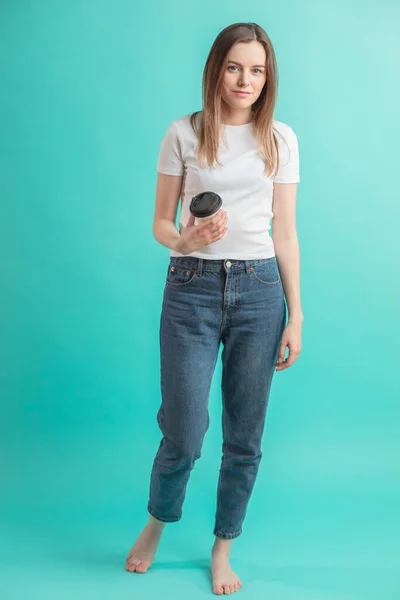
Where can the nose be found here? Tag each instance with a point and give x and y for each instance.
(244, 79)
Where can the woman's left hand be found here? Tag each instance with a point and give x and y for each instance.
(291, 338)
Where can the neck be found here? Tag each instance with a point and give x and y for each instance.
(236, 117)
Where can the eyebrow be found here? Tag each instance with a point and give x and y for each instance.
(236, 63)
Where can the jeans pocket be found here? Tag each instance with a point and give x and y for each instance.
(266, 272)
(180, 276)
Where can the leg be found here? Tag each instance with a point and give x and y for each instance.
(251, 345)
(189, 351)
(254, 319)
(189, 344)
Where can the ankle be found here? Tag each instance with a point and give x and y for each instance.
(155, 524)
(221, 547)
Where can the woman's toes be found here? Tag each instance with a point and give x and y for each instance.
(142, 568)
(132, 563)
(218, 589)
(137, 565)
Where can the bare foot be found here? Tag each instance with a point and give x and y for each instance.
(224, 579)
(143, 551)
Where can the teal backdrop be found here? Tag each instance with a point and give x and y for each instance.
(88, 90)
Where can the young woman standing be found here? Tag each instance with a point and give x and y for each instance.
(229, 282)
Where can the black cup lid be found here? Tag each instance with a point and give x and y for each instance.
(205, 204)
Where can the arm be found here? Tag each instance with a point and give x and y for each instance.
(191, 237)
(284, 236)
(286, 245)
(168, 192)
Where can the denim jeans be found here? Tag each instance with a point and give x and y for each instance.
(239, 304)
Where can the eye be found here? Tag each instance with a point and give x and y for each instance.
(256, 71)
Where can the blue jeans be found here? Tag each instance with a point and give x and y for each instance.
(207, 302)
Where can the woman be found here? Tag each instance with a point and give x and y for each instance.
(224, 285)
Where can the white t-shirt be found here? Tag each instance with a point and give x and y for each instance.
(245, 189)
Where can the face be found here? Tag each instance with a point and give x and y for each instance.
(244, 70)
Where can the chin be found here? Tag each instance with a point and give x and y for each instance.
(238, 102)
(243, 104)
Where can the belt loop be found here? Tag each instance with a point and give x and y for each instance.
(247, 263)
(199, 268)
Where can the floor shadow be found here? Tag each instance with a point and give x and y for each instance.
(199, 564)
(363, 583)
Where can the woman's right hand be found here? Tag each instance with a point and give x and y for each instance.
(209, 230)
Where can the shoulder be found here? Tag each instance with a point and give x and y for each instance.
(284, 131)
(182, 126)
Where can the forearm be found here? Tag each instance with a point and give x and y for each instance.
(166, 233)
(288, 259)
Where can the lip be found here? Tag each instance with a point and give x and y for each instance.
(241, 93)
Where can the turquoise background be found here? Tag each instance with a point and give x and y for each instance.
(88, 91)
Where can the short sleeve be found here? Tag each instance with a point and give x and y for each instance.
(289, 168)
(170, 159)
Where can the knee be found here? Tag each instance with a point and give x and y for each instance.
(188, 449)
(179, 452)
(182, 441)
(243, 453)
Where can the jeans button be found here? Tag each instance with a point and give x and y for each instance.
(229, 264)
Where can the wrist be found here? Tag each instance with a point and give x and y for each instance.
(296, 319)
(295, 314)
(179, 246)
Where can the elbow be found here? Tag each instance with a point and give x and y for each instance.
(284, 237)
(155, 230)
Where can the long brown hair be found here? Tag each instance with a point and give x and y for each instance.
(208, 130)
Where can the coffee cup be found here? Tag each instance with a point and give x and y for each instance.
(205, 205)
